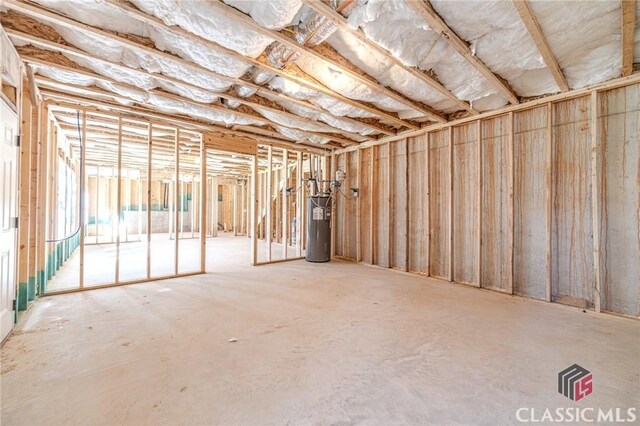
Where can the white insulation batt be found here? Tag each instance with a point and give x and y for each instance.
(583, 35)
(395, 26)
(499, 38)
(162, 103)
(187, 49)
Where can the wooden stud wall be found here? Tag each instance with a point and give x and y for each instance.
(281, 196)
(540, 201)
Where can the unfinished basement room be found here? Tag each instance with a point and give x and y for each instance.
(319, 212)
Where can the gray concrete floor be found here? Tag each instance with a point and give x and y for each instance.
(100, 261)
(334, 343)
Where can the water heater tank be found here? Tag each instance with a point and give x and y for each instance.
(318, 229)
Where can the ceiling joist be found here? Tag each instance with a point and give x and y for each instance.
(137, 14)
(431, 17)
(57, 47)
(57, 19)
(94, 91)
(165, 94)
(341, 22)
(531, 23)
(280, 37)
(76, 102)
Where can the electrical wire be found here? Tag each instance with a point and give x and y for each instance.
(81, 192)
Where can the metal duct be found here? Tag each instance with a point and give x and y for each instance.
(315, 28)
(279, 55)
(312, 30)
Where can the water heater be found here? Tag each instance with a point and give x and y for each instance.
(318, 228)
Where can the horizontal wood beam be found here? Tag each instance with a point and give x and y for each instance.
(222, 142)
(531, 23)
(431, 17)
(341, 22)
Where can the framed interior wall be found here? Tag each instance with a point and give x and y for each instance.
(142, 200)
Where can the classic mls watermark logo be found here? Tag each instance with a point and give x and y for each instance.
(575, 382)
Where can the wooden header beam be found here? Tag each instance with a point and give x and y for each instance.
(230, 143)
(531, 23)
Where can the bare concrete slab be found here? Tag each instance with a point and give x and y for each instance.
(334, 343)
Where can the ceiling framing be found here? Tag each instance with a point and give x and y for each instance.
(274, 116)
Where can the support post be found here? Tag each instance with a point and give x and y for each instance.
(42, 199)
(549, 199)
(358, 206)
(202, 204)
(176, 199)
(149, 154)
(334, 206)
(247, 207)
(33, 198)
(285, 204)
(596, 167)
(83, 195)
(450, 228)
(269, 191)
(511, 207)
(139, 218)
(299, 201)
(407, 213)
(389, 205)
(118, 199)
(479, 158)
(254, 210)
(235, 210)
(427, 169)
(214, 206)
(97, 221)
(24, 195)
(373, 208)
